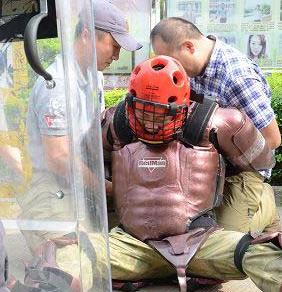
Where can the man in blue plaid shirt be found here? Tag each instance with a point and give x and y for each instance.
(223, 73)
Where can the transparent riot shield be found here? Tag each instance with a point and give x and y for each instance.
(52, 193)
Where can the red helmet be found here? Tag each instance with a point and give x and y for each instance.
(158, 99)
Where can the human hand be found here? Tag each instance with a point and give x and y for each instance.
(108, 187)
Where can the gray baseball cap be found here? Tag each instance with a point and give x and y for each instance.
(109, 18)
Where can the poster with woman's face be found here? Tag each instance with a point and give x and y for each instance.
(257, 48)
(257, 11)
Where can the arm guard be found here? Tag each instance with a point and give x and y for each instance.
(115, 133)
(115, 128)
(107, 140)
(107, 129)
(240, 142)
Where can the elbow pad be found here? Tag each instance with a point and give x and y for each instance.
(106, 125)
(115, 128)
(240, 141)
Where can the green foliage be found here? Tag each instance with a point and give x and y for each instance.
(48, 50)
(275, 81)
(114, 96)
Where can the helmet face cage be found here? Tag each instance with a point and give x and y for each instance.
(155, 123)
(158, 99)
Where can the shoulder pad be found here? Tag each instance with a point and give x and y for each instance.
(196, 123)
(121, 126)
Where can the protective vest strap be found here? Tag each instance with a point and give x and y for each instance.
(262, 237)
(180, 249)
(197, 121)
(220, 182)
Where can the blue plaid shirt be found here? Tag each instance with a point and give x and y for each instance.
(233, 80)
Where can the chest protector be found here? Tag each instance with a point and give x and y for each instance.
(159, 191)
(163, 194)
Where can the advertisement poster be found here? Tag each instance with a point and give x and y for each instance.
(252, 26)
(221, 11)
(257, 11)
(190, 10)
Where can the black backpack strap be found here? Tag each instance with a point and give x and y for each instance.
(197, 121)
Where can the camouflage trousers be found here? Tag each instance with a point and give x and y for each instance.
(133, 260)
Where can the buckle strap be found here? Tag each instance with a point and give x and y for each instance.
(181, 276)
(180, 249)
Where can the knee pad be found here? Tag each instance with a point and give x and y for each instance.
(42, 273)
(47, 279)
(254, 238)
(240, 250)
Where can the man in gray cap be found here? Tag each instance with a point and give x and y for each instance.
(111, 28)
(49, 195)
(111, 34)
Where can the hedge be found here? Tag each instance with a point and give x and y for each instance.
(275, 82)
(112, 97)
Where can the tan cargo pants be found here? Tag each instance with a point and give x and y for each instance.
(41, 206)
(132, 259)
(248, 204)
